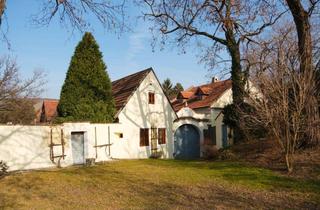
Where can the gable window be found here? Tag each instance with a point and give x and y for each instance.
(151, 98)
(144, 137)
(161, 136)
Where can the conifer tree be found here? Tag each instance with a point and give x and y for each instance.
(86, 94)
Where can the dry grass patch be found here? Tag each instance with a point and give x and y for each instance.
(161, 184)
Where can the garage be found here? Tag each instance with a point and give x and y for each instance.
(187, 142)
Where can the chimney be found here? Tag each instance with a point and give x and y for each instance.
(214, 79)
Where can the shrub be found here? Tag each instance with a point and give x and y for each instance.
(210, 152)
(227, 154)
(3, 168)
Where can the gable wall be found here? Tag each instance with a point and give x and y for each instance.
(139, 114)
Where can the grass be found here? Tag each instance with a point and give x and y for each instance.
(158, 184)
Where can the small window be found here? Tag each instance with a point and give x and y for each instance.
(151, 98)
(161, 136)
(144, 137)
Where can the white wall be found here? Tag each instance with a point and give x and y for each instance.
(27, 147)
(139, 114)
(213, 116)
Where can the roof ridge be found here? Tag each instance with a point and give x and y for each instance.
(139, 72)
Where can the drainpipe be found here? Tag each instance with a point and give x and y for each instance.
(95, 141)
(109, 147)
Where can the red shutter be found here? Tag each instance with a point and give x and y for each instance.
(162, 136)
(146, 136)
(151, 98)
(142, 137)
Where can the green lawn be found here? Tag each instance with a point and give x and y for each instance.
(160, 184)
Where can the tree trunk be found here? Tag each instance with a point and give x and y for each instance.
(289, 163)
(236, 77)
(301, 19)
(2, 8)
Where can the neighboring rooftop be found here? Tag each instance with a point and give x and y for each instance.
(201, 96)
(49, 110)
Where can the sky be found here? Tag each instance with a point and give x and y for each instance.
(50, 49)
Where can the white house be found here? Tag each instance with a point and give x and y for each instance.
(146, 115)
(200, 118)
(143, 129)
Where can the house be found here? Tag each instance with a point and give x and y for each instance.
(144, 112)
(200, 119)
(48, 110)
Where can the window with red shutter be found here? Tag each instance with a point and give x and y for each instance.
(144, 137)
(161, 136)
(151, 98)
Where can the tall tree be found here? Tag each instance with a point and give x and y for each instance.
(301, 17)
(215, 24)
(86, 94)
(167, 86)
(74, 15)
(178, 88)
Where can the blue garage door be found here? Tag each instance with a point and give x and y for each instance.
(187, 142)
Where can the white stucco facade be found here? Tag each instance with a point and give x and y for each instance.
(28, 147)
(201, 118)
(32, 147)
(138, 113)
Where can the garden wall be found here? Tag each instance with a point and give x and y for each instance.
(32, 147)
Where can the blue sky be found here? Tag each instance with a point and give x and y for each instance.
(50, 48)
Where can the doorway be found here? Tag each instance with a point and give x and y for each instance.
(77, 145)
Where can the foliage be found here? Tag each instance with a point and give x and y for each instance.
(15, 93)
(232, 117)
(178, 88)
(3, 168)
(286, 100)
(213, 26)
(77, 14)
(167, 86)
(22, 112)
(86, 94)
(169, 90)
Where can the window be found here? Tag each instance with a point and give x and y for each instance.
(151, 98)
(161, 136)
(210, 135)
(144, 137)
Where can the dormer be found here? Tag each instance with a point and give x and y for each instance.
(202, 92)
(184, 95)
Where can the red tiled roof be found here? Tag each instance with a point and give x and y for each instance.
(211, 91)
(123, 88)
(185, 94)
(50, 109)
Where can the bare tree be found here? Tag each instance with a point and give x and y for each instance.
(285, 103)
(2, 8)
(301, 12)
(15, 93)
(217, 25)
(77, 14)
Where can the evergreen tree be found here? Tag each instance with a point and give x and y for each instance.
(178, 88)
(167, 86)
(86, 94)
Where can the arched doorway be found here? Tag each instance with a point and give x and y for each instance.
(187, 142)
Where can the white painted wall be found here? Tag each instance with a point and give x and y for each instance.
(139, 114)
(27, 147)
(212, 114)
